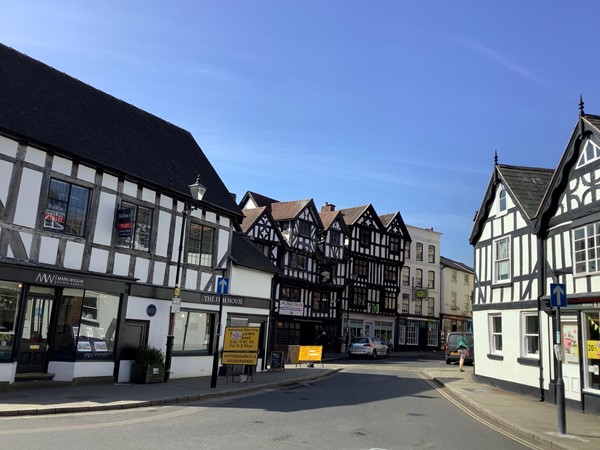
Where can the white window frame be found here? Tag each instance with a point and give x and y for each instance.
(502, 259)
(495, 335)
(528, 336)
(502, 205)
(401, 334)
(412, 333)
(584, 264)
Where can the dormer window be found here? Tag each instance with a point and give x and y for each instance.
(591, 152)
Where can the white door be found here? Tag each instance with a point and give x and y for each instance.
(570, 365)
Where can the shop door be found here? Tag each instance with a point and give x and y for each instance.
(33, 343)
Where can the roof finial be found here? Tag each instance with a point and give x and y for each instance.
(495, 157)
(581, 111)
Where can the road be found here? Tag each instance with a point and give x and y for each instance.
(368, 405)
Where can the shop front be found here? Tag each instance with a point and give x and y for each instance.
(56, 324)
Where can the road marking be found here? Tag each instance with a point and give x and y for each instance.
(476, 417)
(120, 423)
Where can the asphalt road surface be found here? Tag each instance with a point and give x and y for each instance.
(369, 405)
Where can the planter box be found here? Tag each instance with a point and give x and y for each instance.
(147, 373)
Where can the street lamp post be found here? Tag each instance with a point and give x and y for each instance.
(215, 366)
(197, 190)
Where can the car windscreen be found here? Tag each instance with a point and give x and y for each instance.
(359, 341)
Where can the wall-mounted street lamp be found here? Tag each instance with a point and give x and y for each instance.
(197, 190)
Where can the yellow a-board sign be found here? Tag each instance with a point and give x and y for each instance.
(239, 358)
(241, 339)
(311, 353)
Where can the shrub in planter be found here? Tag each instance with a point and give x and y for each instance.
(149, 366)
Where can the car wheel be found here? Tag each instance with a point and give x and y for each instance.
(374, 354)
(448, 362)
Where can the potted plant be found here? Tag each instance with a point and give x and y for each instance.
(148, 366)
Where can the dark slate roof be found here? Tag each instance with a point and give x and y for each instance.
(594, 120)
(244, 253)
(447, 262)
(47, 108)
(528, 185)
(258, 199)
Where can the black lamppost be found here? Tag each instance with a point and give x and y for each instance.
(215, 367)
(197, 190)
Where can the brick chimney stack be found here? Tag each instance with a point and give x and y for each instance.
(327, 207)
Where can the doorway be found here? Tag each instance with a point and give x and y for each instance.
(34, 348)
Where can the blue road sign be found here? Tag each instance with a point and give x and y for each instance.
(222, 285)
(558, 295)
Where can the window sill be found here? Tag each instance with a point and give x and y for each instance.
(502, 284)
(495, 357)
(528, 361)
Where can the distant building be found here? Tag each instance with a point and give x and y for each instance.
(456, 299)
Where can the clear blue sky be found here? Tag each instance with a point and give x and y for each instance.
(396, 103)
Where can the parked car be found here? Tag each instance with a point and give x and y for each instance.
(451, 349)
(370, 346)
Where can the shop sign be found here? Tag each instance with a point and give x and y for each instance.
(290, 308)
(239, 358)
(241, 339)
(226, 300)
(59, 280)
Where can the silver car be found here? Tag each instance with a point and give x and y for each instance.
(370, 346)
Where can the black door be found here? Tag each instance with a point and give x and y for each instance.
(423, 338)
(135, 335)
(33, 342)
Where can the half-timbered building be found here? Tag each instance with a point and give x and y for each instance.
(97, 228)
(537, 229)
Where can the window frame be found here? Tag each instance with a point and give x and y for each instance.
(364, 237)
(418, 277)
(405, 276)
(209, 331)
(502, 203)
(495, 335)
(133, 242)
(394, 245)
(201, 257)
(419, 251)
(527, 336)
(65, 212)
(500, 260)
(431, 254)
(431, 279)
(582, 249)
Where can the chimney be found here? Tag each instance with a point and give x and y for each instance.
(233, 196)
(327, 207)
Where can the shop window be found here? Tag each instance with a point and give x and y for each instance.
(433, 334)
(591, 358)
(287, 333)
(412, 335)
(193, 332)
(66, 208)
(134, 226)
(401, 334)
(200, 245)
(10, 295)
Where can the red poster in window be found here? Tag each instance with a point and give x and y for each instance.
(125, 222)
(54, 216)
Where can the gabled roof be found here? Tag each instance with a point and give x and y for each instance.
(291, 210)
(258, 199)
(526, 185)
(250, 218)
(587, 125)
(447, 262)
(329, 217)
(46, 108)
(388, 219)
(244, 253)
(351, 215)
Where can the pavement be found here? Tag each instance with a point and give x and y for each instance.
(521, 413)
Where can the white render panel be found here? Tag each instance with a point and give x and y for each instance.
(35, 156)
(224, 221)
(5, 174)
(110, 181)
(48, 250)
(568, 249)
(223, 244)
(580, 284)
(8, 147)
(99, 260)
(74, 255)
(29, 193)
(141, 269)
(148, 195)
(130, 189)
(166, 201)
(191, 278)
(162, 237)
(595, 282)
(516, 263)
(105, 220)
(159, 273)
(520, 222)
(211, 217)
(86, 173)
(509, 222)
(121, 266)
(62, 165)
(26, 238)
(177, 234)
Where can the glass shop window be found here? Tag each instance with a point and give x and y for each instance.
(193, 332)
(10, 297)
